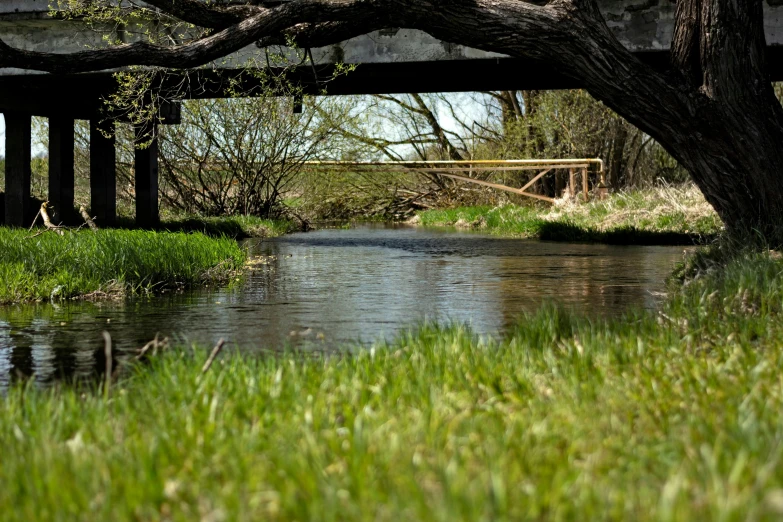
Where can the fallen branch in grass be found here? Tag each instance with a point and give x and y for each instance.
(34, 220)
(108, 353)
(43, 213)
(212, 356)
(151, 348)
(48, 221)
(88, 219)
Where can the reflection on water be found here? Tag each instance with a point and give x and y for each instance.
(332, 288)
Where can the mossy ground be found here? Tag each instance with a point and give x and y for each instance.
(109, 262)
(665, 215)
(668, 415)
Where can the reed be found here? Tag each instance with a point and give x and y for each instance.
(668, 415)
(113, 262)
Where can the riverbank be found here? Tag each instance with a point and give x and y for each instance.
(660, 216)
(110, 263)
(672, 415)
(236, 227)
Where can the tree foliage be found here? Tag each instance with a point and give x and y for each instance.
(239, 156)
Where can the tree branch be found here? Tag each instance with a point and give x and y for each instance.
(264, 24)
(205, 15)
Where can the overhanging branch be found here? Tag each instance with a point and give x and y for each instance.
(570, 36)
(206, 15)
(266, 24)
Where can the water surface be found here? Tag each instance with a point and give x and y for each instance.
(332, 289)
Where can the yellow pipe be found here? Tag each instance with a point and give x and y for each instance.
(553, 163)
(459, 162)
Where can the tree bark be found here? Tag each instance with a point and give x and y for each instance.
(732, 137)
(714, 111)
(617, 150)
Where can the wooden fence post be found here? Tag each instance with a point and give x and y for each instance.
(585, 184)
(572, 182)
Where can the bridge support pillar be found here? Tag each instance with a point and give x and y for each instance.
(17, 168)
(103, 178)
(61, 177)
(146, 167)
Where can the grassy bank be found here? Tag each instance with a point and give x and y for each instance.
(670, 215)
(676, 415)
(237, 227)
(109, 262)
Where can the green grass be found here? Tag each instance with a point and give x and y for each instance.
(115, 262)
(676, 415)
(237, 227)
(668, 215)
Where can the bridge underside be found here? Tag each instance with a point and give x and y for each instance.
(43, 94)
(65, 98)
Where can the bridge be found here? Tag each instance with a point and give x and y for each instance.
(388, 61)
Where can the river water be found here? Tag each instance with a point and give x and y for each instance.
(336, 289)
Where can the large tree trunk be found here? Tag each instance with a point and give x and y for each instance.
(714, 111)
(535, 145)
(616, 163)
(734, 156)
(732, 137)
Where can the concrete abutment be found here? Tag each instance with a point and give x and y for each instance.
(61, 169)
(18, 205)
(103, 172)
(17, 167)
(146, 176)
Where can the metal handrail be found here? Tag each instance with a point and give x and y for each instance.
(544, 162)
(423, 166)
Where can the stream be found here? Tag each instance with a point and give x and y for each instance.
(337, 289)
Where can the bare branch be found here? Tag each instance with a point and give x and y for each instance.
(206, 15)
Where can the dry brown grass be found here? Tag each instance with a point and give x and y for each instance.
(680, 207)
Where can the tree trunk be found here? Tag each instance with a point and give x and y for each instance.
(616, 163)
(732, 137)
(536, 143)
(447, 148)
(510, 110)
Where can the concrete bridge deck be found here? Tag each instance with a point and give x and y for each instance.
(389, 61)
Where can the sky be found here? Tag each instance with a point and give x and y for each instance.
(37, 149)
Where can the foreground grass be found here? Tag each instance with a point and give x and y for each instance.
(109, 261)
(669, 416)
(666, 215)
